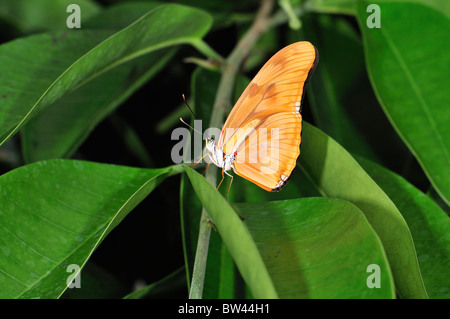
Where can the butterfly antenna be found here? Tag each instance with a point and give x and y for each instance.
(190, 126)
(185, 102)
(195, 117)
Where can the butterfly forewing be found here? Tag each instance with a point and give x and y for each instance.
(278, 86)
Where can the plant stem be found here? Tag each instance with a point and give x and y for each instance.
(222, 104)
(204, 48)
(281, 17)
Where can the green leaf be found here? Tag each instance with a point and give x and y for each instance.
(235, 236)
(120, 15)
(66, 60)
(336, 174)
(55, 213)
(429, 225)
(31, 15)
(332, 6)
(221, 275)
(317, 248)
(407, 59)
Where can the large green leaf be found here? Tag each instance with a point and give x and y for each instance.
(221, 276)
(337, 174)
(429, 225)
(311, 248)
(63, 61)
(222, 280)
(55, 213)
(408, 63)
(317, 248)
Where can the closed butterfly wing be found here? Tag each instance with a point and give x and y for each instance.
(264, 128)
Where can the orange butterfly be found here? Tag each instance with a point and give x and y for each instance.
(261, 137)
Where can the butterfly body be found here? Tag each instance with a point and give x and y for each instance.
(221, 160)
(261, 137)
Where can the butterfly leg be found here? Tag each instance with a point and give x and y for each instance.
(211, 223)
(230, 181)
(229, 186)
(207, 166)
(221, 180)
(198, 162)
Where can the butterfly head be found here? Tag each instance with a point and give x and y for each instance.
(213, 151)
(210, 144)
